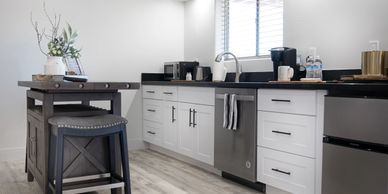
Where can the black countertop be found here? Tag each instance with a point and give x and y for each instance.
(278, 85)
(379, 89)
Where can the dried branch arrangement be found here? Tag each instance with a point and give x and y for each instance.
(58, 44)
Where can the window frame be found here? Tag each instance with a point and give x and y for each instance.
(226, 34)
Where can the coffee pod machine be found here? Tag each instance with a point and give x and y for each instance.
(284, 56)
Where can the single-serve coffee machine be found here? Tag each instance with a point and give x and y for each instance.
(284, 56)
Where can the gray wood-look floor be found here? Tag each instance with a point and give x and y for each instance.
(151, 173)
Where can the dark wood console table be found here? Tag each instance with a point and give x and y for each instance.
(82, 156)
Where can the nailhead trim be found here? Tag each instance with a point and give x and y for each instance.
(92, 127)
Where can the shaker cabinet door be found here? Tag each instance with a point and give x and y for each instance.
(36, 146)
(170, 125)
(186, 133)
(203, 124)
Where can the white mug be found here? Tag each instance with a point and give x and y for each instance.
(285, 73)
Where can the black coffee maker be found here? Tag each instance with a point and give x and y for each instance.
(284, 56)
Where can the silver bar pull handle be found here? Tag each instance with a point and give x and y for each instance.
(190, 123)
(194, 112)
(173, 114)
(281, 171)
(151, 92)
(281, 132)
(151, 110)
(280, 100)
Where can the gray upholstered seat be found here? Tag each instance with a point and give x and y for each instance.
(91, 122)
(108, 126)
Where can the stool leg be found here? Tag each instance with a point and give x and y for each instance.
(52, 158)
(59, 163)
(125, 162)
(112, 159)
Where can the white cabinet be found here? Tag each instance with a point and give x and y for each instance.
(285, 171)
(287, 132)
(170, 125)
(152, 132)
(152, 121)
(169, 93)
(158, 127)
(152, 92)
(152, 110)
(180, 119)
(289, 139)
(196, 132)
(186, 131)
(288, 101)
(203, 119)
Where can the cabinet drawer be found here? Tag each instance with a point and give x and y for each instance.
(169, 93)
(152, 92)
(286, 132)
(152, 132)
(287, 101)
(196, 95)
(152, 110)
(294, 174)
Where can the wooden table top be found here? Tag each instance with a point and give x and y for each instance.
(79, 86)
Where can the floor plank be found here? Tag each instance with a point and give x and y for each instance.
(151, 173)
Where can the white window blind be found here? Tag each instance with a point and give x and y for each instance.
(249, 28)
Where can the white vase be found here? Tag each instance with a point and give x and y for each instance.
(54, 66)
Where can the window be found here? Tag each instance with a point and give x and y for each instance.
(249, 28)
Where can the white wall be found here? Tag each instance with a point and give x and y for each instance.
(199, 31)
(340, 29)
(119, 40)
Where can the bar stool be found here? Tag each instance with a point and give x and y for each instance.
(108, 125)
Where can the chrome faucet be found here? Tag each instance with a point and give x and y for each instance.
(238, 65)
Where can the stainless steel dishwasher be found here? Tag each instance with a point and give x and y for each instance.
(235, 149)
(355, 148)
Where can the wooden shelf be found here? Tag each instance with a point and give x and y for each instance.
(69, 110)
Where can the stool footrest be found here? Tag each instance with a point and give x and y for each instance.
(94, 188)
(85, 178)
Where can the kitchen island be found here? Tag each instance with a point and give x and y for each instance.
(82, 156)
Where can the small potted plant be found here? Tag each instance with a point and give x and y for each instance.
(59, 45)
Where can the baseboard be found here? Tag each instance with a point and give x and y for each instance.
(273, 190)
(186, 159)
(12, 154)
(136, 144)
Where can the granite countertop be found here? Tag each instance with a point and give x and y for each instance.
(279, 85)
(259, 80)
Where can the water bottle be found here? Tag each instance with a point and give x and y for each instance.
(318, 67)
(309, 67)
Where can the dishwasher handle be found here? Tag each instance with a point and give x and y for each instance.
(249, 98)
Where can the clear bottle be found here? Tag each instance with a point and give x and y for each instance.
(318, 67)
(189, 77)
(309, 67)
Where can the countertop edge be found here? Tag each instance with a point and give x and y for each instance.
(358, 87)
